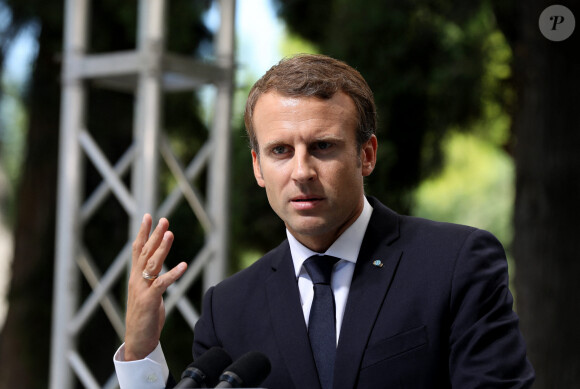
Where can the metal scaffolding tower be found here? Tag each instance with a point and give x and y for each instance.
(150, 72)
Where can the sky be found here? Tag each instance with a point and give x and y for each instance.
(258, 32)
(21, 53)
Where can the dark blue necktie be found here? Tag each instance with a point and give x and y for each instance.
(321, 324)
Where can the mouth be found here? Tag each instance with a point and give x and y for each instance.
(306, 198)
(306, 202)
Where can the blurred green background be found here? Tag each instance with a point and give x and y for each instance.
(478, 124)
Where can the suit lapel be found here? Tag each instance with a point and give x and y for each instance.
(370, 284)
(288, 320)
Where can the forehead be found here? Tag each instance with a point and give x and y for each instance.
(276, 114)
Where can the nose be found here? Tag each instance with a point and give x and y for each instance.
(303, 169)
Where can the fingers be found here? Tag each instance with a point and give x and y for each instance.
(149, 252)
(162, 282)
(153, 261)
(142, 237)
(152, 244)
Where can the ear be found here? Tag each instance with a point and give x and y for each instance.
(257, 169)
(369, 156)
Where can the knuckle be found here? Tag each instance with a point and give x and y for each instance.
(145, 251)
(159, 283)
(134, 279)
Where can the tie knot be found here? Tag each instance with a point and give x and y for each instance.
(319, 268)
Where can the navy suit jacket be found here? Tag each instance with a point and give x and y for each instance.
(437, 314)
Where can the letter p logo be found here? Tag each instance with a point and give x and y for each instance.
(557, 23)
(557, 20)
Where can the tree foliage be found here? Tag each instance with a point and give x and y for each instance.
(545, 127)
(425, 61)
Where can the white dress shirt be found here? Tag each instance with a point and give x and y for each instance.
(152, 372)
(149, 373)
(346, 248)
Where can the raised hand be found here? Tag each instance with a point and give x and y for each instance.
(145, 309)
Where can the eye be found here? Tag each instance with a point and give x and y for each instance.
(323, 145)
(279, 150)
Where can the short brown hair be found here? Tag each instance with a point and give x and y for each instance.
(314, 75)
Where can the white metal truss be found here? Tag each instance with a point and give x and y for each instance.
(150, 72)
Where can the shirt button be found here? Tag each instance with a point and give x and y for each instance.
(151, 378)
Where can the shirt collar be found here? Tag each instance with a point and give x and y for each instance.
(346, 247)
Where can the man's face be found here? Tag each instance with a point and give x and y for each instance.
(310, 165)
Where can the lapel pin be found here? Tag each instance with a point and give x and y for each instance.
(378, 263)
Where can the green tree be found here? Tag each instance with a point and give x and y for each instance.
(26, 332)
(546, 127)
(425, 61)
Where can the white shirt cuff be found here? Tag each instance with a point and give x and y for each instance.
(148, 373)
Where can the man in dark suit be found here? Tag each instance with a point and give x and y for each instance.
(413, 303)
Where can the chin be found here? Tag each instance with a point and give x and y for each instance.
(310, 229)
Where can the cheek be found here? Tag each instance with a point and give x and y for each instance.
(344, 177)
(273, 182)
(276, 201)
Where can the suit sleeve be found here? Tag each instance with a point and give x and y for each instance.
(204, 336)
(486, 347)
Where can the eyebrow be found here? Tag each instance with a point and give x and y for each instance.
(323, 138)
